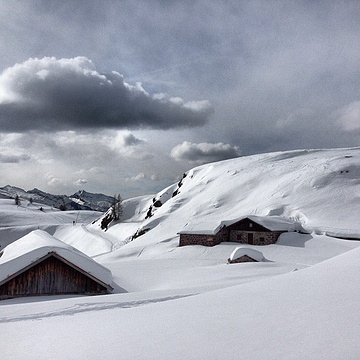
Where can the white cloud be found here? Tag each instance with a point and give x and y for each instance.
(81, 182)
(125, 138)
(349, 116)
(128, 145)
(138, 177)
(54, 181)
(204, 152)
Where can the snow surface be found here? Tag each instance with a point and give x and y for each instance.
(188, 302)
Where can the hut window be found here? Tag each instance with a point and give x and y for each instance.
(262, 239)
(250, 224)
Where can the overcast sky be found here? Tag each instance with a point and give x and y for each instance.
(124, 96)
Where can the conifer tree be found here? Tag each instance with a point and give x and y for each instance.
(117, 207)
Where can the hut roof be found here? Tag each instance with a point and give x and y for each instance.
(273, 223)
(34, 246)
(242, 251)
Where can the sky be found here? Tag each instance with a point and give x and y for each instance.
(124, 96)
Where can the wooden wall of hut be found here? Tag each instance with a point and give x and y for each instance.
(50, 277)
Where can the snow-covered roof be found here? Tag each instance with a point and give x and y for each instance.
(242, 251)
(272, 223)
(204, 229)
(37, 244)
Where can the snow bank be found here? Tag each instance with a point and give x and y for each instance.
(307, 314)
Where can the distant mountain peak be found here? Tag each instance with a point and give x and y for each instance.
(81, 200)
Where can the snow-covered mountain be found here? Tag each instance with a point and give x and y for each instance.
(299, 302)
(81, 200)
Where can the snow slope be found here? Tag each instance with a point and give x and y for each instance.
(188, 302)
(308, 314)
(17, 221)
(320, 189)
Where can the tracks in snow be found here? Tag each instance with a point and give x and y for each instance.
(89, 307)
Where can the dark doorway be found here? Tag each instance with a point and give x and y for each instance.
(250, 238)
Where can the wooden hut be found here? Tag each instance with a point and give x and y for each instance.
(39, 264)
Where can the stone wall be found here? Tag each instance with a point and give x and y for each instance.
(198, 239)
(239, 236)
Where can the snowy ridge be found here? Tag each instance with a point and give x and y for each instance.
(309, 187)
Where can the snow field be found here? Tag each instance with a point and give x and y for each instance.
(175, 302)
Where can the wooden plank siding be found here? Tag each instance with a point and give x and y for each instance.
(50, 276)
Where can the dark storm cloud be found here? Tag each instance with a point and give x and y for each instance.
(49, 95)
(204, 152)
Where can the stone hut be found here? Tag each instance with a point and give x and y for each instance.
(252, 230)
